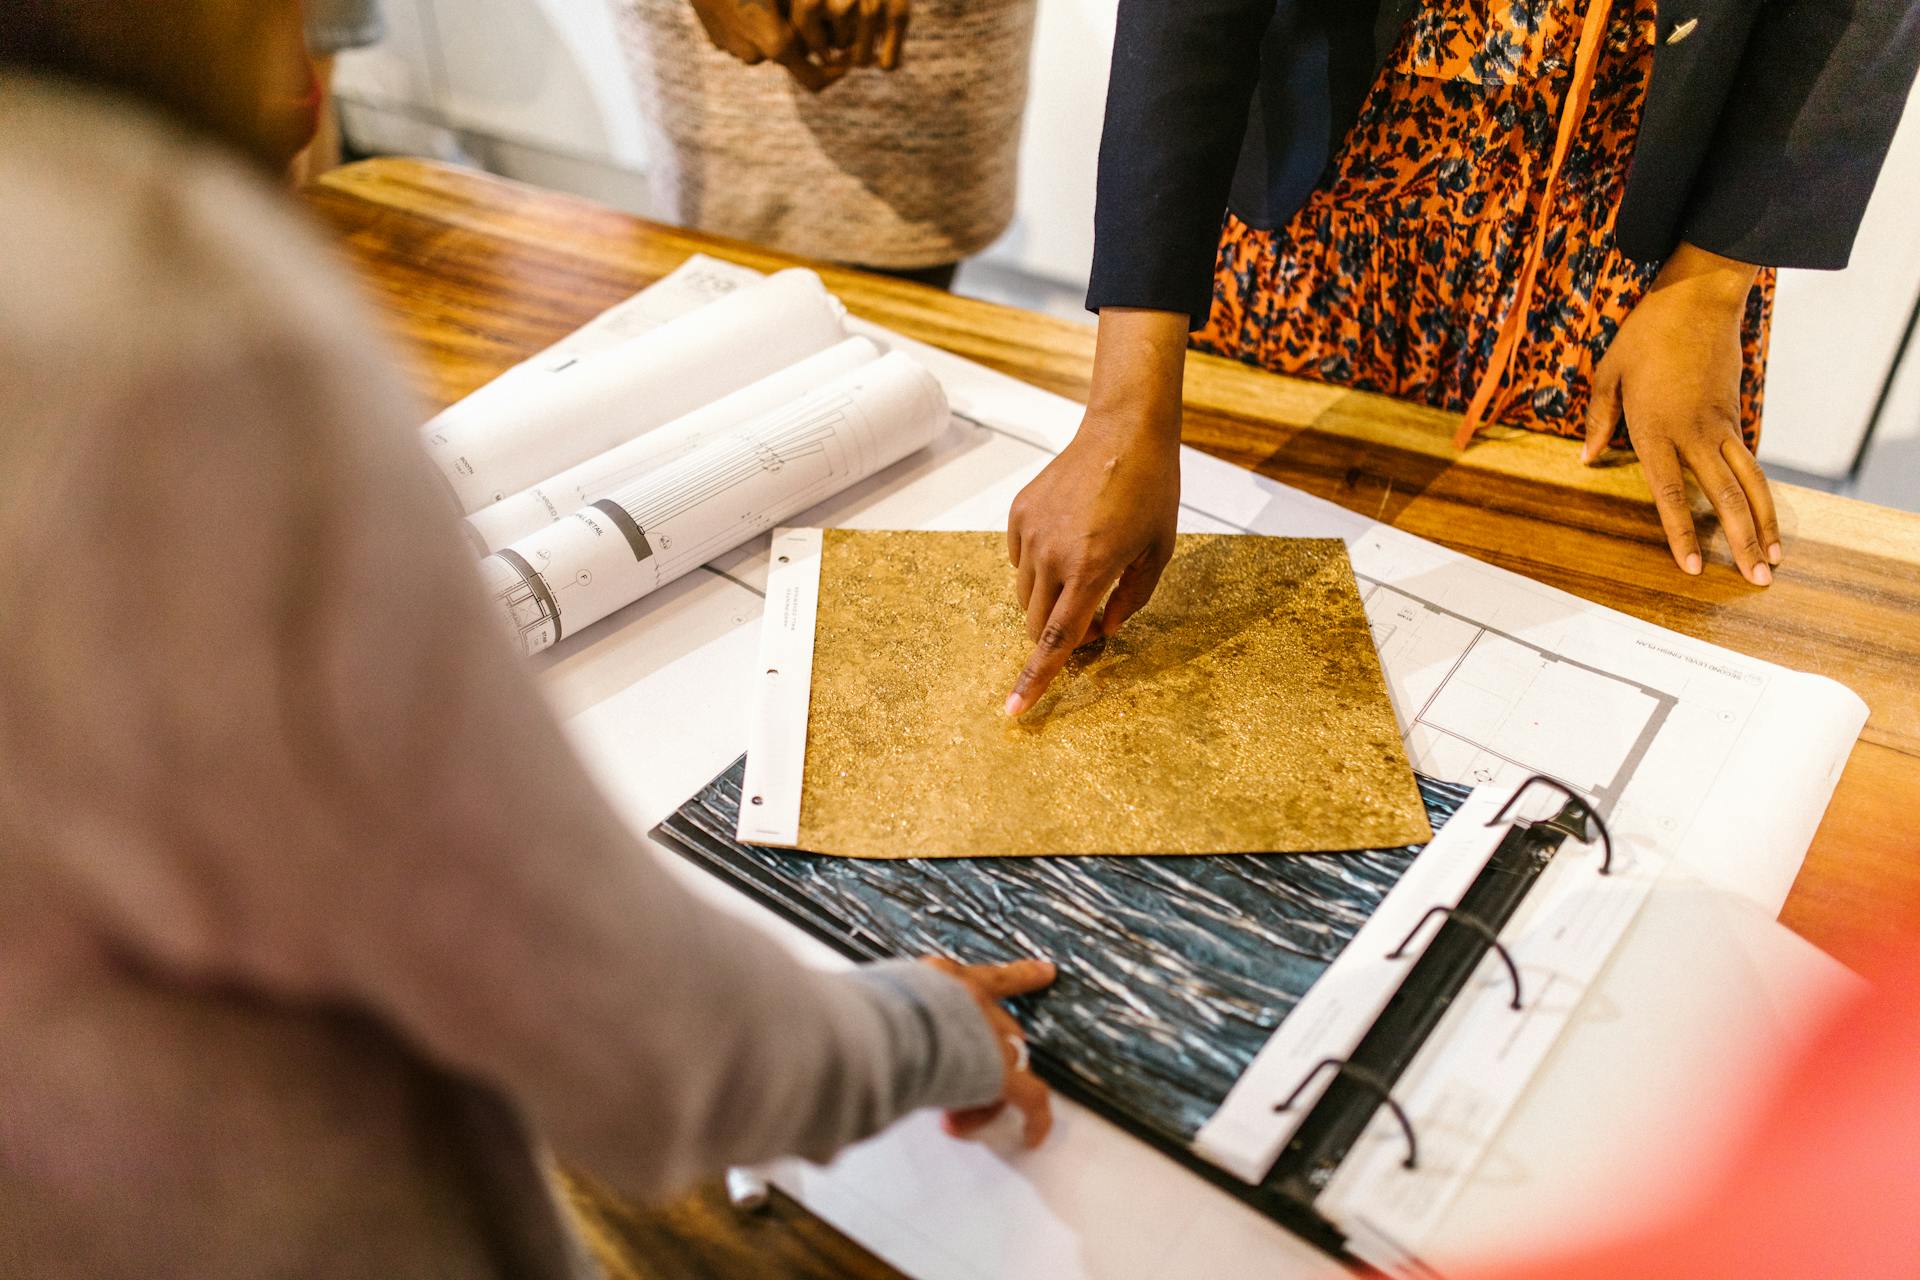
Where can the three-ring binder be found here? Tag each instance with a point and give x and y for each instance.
(1576, 808)
(1369, 1081)
(1364, 1080)
(1457, 916)
(1338, 1102)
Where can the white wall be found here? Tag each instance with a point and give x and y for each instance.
(1052, 231)
(541, 82)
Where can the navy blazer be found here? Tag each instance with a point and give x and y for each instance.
(1765, 127)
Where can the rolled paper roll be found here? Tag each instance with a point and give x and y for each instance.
(736, 486)
(556, 498)
(516, 431)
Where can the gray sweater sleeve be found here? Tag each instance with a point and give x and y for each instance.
(362, 799)
(532, 941)
(942, 1051)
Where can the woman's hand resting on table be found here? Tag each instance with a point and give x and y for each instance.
(1096, 526)
(1674, 369)
(1023, 1091)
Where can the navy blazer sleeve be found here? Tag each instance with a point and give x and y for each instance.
(1806, 126)
(1184, 73)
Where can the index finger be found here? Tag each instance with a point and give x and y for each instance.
(1016, 978)
(1066, 627)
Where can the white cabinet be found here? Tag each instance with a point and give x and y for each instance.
(1052, 232)
(534, 89)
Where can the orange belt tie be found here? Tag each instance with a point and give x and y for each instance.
(1593, 30)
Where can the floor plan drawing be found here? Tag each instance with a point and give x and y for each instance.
(1494, 678)
(1479, 706)
(524, 599)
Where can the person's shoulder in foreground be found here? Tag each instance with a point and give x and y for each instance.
(309, 915)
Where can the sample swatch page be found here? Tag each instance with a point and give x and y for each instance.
(1242, 710)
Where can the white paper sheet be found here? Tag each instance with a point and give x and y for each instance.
(1737, 813)
(688, 287)
(570, 574)
(518, 430)
(555, 498)
(777, 738)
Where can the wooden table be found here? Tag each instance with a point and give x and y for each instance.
(474, 274)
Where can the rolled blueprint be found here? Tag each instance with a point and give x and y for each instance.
(605, 556)
(516, 432)
(519, 514)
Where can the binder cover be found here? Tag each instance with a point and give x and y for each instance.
(1174, 971)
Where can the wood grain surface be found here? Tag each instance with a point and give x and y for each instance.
(703, 1237)
(473, 274)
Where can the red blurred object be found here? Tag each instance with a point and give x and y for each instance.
(1827, 1182)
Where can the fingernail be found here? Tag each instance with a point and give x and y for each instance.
(1762, 575)
(1693, 562)
(1774, 553)
(1014, 706)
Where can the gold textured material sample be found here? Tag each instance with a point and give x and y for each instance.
(1243, 710)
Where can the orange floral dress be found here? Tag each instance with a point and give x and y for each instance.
(1401, 273)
